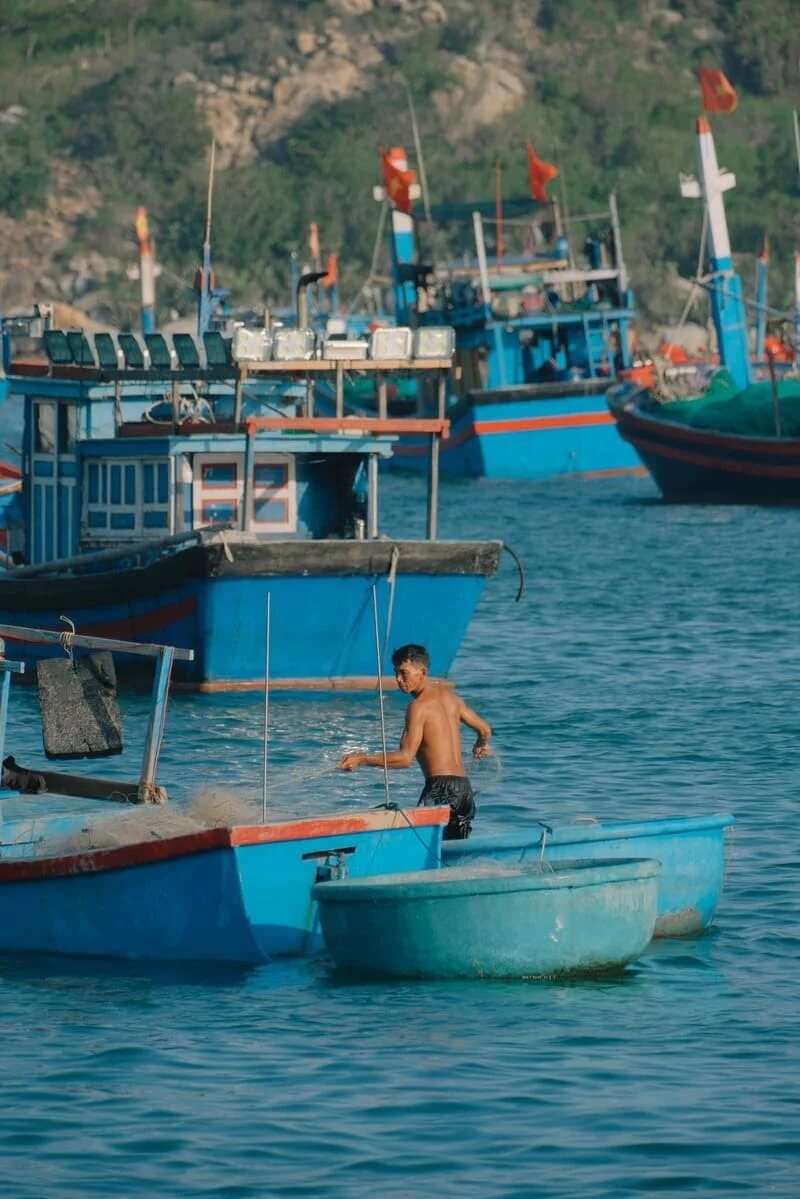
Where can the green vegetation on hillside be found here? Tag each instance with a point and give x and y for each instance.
(610, 96)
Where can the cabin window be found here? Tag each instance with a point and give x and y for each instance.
(219, 492)
(67, 428)
(45, 428)
(274, 494)
(125, 499)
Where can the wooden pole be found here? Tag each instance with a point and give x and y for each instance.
(380, 690)
(148, 792)
(267, 641)
(498, 209)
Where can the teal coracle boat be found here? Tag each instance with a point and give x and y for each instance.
(491, 921)
(691, 850)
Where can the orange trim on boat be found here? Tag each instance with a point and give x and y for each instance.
(148, 853)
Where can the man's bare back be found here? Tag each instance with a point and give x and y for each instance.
(432, 735)
(432, 732)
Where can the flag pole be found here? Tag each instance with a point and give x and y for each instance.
(498, 207)
(423, 182)
(564, 205)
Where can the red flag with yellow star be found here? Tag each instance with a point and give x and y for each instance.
(718, 95)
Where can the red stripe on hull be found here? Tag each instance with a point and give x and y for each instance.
(523, 425)
(754, 469)
(147, 853)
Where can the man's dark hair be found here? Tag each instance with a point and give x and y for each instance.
(417, 655)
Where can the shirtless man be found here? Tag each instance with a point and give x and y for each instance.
(432, 735)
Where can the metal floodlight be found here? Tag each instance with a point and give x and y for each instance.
(251, 345)
(160, 357)
(186, 349)
(391, 343)
(218, 349)
(293, 344)
(106, 351)
(57, 347)
(80, 349)
(339, 349)
(434, 341)
(131, 351)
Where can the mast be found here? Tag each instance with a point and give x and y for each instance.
(762, 271)
(146, 272)
(205, 292)
(727, 304)
(403, 247)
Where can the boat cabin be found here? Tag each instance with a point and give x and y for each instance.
(131, 438)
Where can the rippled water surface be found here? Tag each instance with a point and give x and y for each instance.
(650, 669)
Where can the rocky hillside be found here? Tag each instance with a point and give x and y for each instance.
(107, 104)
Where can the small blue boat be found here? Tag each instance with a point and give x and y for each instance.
(497, 921)
(148, 883)
(224, 894)
(691, 851)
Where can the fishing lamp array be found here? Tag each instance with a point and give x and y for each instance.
(399, 344)
(152, 352)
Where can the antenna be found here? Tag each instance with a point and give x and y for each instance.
(204, 302)
(418, 150)
(207, 239)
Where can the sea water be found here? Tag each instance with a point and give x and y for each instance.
(651, 669)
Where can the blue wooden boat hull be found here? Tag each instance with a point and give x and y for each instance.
(520, 921)
(691, 852)
(524, 433)
(324, 612)
(222, 894)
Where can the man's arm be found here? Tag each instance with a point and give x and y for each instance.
(467, 716)
(396, 758)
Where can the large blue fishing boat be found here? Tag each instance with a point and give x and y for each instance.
(539, 339)
(170, 487)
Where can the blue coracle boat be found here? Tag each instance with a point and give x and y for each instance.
(539, 340)
(168, 488)
(500, 921)
(147, 883)
(691, 851)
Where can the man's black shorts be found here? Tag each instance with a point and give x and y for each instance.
(455, 790)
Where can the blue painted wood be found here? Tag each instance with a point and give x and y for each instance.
(222, 895)
(537, 341)
(325, 622)
(527, 437)
(491, 921)
(691, 851)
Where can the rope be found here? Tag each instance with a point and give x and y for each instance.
(65, 640)
(518, 561)
(392, 577)
(696, 281)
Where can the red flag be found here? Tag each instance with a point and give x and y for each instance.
(717, 93)
(540, 173)
(332, 267)
(397, 181)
